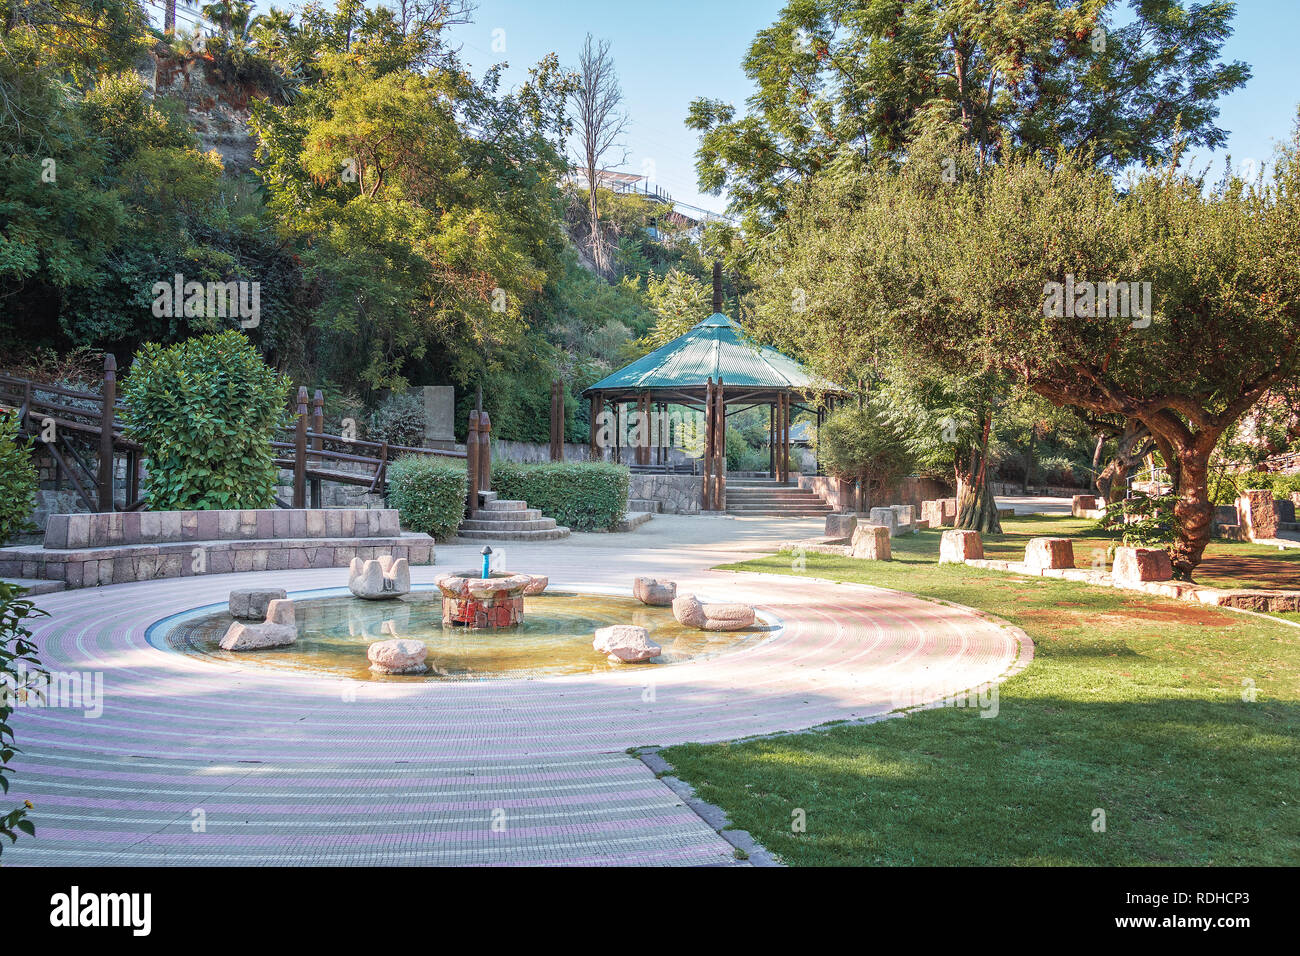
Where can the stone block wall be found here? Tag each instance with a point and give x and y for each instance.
(678, 494)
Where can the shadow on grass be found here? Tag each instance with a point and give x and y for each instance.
(1190, 782)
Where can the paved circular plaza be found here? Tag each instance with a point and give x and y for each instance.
(201, 762)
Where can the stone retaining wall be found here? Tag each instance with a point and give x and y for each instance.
(678, 494)
(84, 550)
(163, 527)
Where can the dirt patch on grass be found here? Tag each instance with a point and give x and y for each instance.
(1130, 612)
(1183, 613)
(1275, 572)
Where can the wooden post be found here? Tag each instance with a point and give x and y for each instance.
(780, 430)
(597, 409)
(106, 434)
(706, 490)
(771, 441)
(381, 473)
(317, 443)
(484, 452)
(300, 451)
(471, 464)
(785, 439)
(720, 440)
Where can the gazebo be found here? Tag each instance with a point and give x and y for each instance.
(717, 368)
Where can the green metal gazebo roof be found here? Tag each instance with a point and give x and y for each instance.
(715, 348)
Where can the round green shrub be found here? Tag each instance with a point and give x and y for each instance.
(582, 495)
(429, 494)
(17, 479)
(398, 420)
(206, 411)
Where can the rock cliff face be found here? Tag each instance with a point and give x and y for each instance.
(219, 111)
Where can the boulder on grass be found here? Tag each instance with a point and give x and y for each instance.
(1082, 506)
(397, 657)
(252, 604)
(626, 644)
(871, 542)
(278, 630)
(380, 578)
(958, 546)
(1258, 512)
(1043, 553)
(841, 525)
(655, 592)
(1135, 565)
(886, 517)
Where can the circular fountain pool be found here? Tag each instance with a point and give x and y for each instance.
(335, 629)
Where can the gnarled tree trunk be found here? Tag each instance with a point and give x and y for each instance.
(977, 509)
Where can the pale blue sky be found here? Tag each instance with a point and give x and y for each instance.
(671, 51)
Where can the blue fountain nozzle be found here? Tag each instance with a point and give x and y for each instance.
(487, 561)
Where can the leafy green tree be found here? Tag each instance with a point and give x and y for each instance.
(679, 300)
(969, 275)
(426, 203)
(844, 80)
(205, 411)
(17, 479)
(18, 665)
(859, 445)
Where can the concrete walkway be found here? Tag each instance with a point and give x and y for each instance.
(195, 762)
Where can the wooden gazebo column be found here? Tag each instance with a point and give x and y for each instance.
(706, 488)
(597, 409)
(720, 449)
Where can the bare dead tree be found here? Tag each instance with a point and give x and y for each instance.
(599, 125)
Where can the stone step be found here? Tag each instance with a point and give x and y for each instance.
(487, 496)
(498, 524)
(779, 509)
(745, 494)
(633, 520)
(644, 505)
(504, 504)
(550, 535)
(508, 514)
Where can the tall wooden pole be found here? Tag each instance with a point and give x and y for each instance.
(106, 434)
(300, 451)
(720, 441)
(471, 463)
(317, 443)
(706, 489)
(484, 452)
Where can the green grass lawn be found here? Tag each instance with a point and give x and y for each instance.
(1133, 705)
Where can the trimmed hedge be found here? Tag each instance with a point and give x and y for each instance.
(582, 495)
(429, 494)
(17, 480)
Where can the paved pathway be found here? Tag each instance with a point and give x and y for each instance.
(198, 762)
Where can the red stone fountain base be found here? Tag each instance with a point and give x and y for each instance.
(472, 601)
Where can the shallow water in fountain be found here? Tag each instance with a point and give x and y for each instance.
(555, 638)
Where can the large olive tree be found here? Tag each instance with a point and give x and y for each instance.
(1004, 267)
